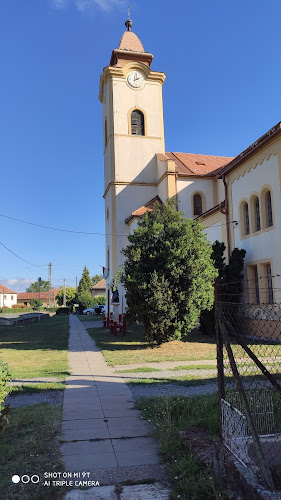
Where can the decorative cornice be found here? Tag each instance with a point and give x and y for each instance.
(252, 150)
(250, 167)
(124, 183)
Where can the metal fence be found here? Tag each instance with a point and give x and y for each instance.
(249, 379)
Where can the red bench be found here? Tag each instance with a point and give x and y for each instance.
(112, 325)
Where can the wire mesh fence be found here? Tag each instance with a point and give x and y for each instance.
(249, 376)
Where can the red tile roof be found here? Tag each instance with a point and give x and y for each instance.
(5, 289)
(144, 208)
(35, 295)
(100, 285)
(130, 41)
(193, 164)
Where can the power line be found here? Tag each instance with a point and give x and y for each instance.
(59, 229)
(95, 233)
(35, 265)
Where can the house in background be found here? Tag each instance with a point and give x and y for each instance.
(47, 298)
(98, 288)
(8, 297)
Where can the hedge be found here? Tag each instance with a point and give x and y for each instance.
(4, 391)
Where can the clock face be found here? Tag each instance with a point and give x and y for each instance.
(135, 79)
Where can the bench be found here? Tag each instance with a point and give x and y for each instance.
(112, 325)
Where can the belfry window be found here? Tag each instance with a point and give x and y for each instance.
(197, 204)
(257, 214)
(268, 208)
(137, 122)
(246, 219)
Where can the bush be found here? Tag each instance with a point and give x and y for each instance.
(4, 391)
(51, 309)
(63, 310)
(99, 300)
(18, 309)
(19, 306)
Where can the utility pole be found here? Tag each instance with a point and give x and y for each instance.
(64, 301)
(50, 284)
(39, 283)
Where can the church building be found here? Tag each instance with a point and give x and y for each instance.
(237, 199)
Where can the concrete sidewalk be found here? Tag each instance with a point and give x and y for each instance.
(101, 432)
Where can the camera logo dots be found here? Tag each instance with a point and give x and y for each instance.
(15, 479)
(25, 479)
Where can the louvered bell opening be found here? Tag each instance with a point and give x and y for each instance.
(137, 123)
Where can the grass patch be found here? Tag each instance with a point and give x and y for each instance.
(187, 380)
(168, 416)
(90, 317)
(30, 446)
(193, 367)
(37, 349)
(16, 390)
(143, 369)
(135, 349)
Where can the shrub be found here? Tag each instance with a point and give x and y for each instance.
(63, 310)
(4, 391)
(99, 300)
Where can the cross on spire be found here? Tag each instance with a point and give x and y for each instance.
(129, 22)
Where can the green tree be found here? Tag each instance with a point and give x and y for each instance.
(70, 296)
(34, 287)
(85, 301)
(85, 282)
(229, 282)
(96, 279)
(36, 303)
(168, 273)
(99, 300)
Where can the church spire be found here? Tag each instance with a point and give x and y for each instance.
(129, 22)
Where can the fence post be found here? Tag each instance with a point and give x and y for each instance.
(219, 339)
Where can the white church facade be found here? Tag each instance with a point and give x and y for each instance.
(237, 199)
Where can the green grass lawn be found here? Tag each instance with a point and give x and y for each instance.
(36, 349)
(134, 349)
(90, 317)
(30, 445)
(189, 478)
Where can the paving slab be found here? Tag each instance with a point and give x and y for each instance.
(81, 415)
(142, 443)
(87, 423)
(85, 434)
(90, 461)
(87, 448)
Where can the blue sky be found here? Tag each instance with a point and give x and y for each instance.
(222, 61)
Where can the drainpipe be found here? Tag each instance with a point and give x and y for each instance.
(227, 217)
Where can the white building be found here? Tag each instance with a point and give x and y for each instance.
(8, 297)
(222, 190)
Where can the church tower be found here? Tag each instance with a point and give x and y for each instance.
(133, 126)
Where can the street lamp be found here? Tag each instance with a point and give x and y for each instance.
(39, 283)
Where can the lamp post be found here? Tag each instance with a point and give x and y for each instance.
(39, 283)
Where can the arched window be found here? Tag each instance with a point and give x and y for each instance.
(246, 219)
(137, 122)
(197, 204)
(268, 209)
(257, 214)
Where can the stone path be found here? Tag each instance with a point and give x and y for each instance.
(102, 434)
